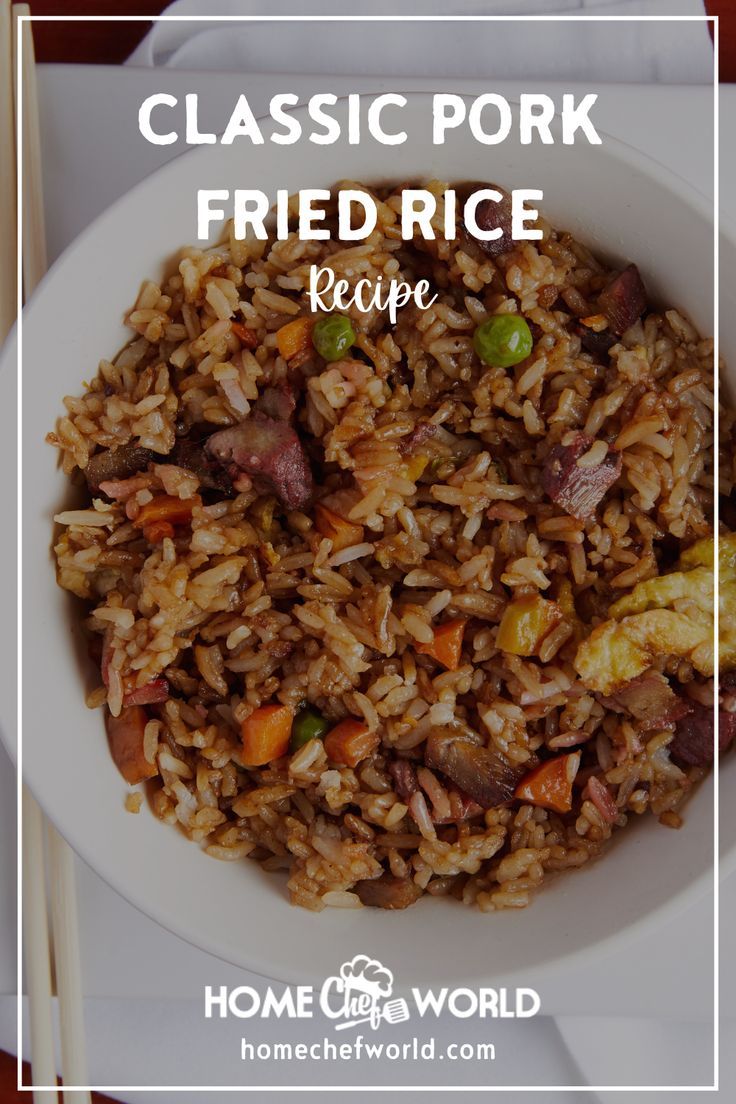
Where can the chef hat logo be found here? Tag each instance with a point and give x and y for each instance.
(367, 975)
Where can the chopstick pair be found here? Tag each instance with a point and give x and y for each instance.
(42, 846)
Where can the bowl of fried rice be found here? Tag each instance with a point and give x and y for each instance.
(343, 634)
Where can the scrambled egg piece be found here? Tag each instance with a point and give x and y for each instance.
(618, 651)
(727, 602)
(668, 615)
(703, 553)
(694, 586)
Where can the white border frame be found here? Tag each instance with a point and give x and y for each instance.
(566, 18)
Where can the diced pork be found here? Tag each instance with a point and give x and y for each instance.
(270, 452)
(478, 771)
(693, 742)
(388, 892)
(277, 402)
(405, 778)
(624, 299)
(462, 807)
(110, 470)
(578, 488)
(111, 465)
(193, 456)
(651, 701)
(155, 691)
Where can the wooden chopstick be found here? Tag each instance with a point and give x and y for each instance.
(35, 913)
(65, 923)
(36, 946)
(35, 260)
(61, 858)
(8, 290)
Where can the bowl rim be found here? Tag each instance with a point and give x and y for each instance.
(633, 930)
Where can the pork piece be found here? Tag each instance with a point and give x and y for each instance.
(624, 299)
(406, 785)
(597, 344)
(111, 465)
(269, 451)
(192, 455)
(388, 892)
(463, 807)
(421, 432)
(115, 465)
(277, 402)
(155, 691)
(478, 771)
(125, 736)
(651, 701)
(489, 215)
(579, 489)
(692, 745)
(405, 778)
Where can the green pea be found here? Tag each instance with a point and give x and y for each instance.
(308, 725)
(332, 336)
(503, 340)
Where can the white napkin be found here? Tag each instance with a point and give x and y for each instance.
(674, 52)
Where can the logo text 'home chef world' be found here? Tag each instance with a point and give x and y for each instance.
(164, 119)
(361, 993)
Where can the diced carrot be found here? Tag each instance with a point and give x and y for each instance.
(266, 734)
(447, 644)
(295, 337)
(525, 623)
(125, 736)
(550, 784)
(339, 530)
(157, 530)
(176, 511)
(245, 335)
(350, 742)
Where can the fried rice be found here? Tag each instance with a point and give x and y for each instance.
(435, 461)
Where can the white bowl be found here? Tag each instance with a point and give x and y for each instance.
(613, 198)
